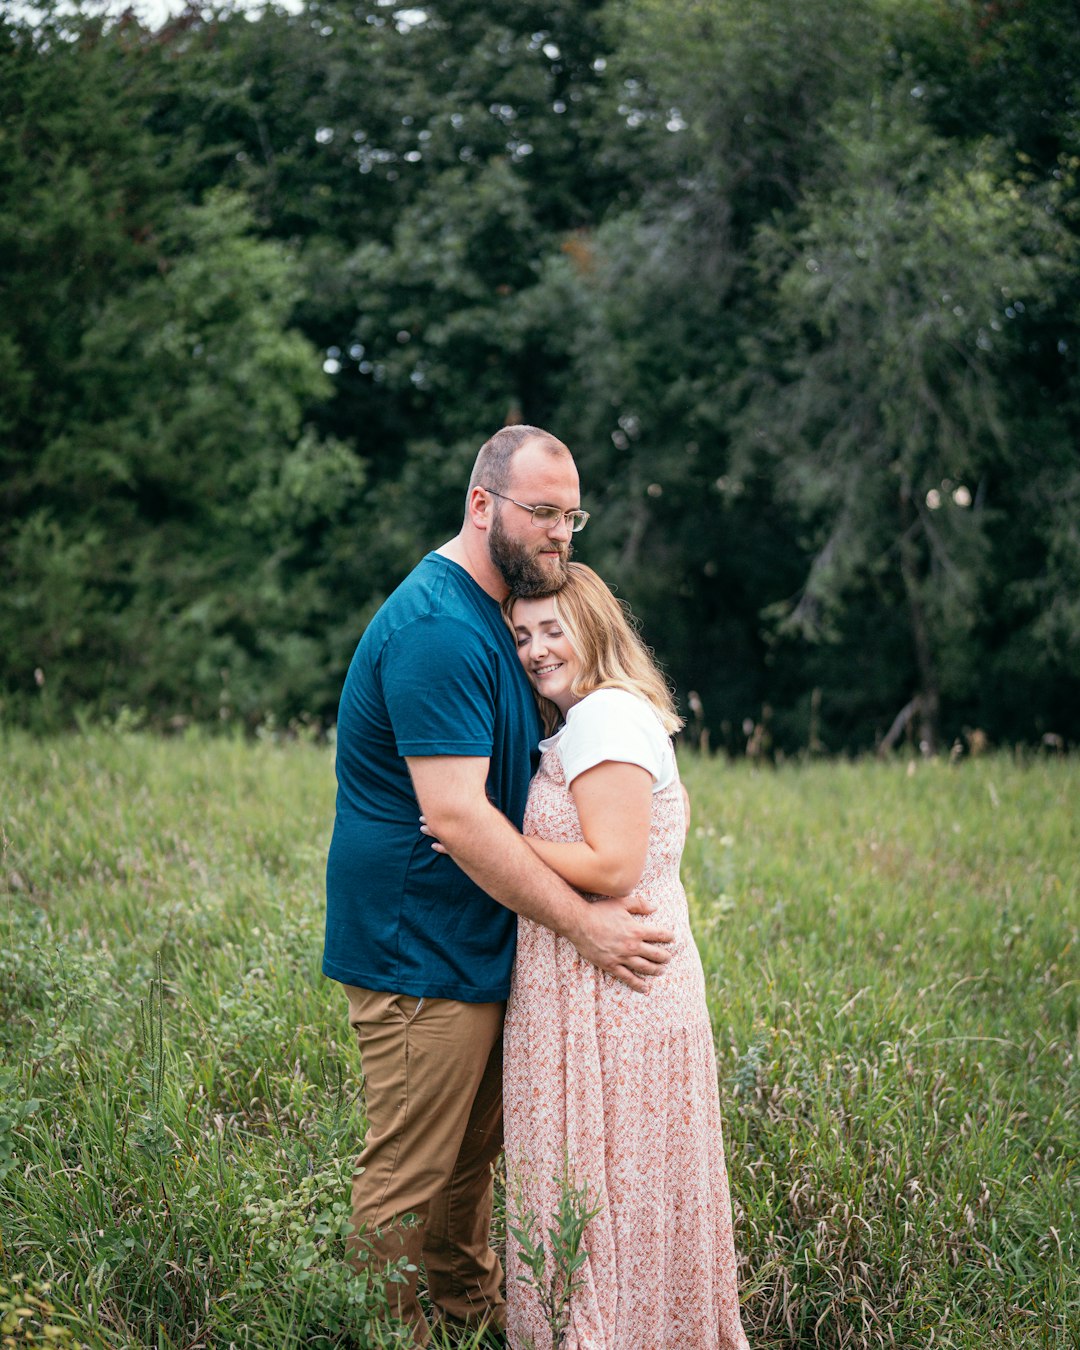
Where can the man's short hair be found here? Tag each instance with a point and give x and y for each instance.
(492, 467)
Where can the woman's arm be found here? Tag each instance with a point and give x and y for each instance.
(614, 806)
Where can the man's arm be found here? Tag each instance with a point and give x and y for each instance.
(452, 794)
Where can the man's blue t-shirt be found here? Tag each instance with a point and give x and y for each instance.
(436, 673)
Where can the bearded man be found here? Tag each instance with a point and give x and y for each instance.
(437, 718)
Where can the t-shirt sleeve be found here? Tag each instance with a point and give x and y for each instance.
(613, 724)
(440, 686)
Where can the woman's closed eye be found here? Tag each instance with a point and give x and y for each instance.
(524, 638)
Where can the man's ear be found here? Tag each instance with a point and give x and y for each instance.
(479, 508)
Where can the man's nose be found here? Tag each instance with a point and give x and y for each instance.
(560, 531)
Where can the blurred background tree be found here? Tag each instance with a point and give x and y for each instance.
(797, 282)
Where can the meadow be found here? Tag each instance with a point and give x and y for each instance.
(891, 953)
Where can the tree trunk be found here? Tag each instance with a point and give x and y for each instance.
(928, 701)
(899, 726)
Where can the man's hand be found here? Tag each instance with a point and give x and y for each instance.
(609, 936)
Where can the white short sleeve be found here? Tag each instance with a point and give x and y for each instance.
(613, 724)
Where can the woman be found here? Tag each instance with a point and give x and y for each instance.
(616, 1087)
(606, 1089)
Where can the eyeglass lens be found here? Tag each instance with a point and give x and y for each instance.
(551, 515)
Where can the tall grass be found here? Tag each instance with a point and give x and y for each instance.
(893, 982)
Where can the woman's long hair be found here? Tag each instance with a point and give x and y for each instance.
(603, 634)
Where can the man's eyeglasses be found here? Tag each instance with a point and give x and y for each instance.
(546, 517)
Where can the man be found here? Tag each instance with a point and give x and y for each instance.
(437, 717)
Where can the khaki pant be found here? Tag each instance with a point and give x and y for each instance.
(433, 1092)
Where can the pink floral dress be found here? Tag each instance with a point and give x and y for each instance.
(621, 1087)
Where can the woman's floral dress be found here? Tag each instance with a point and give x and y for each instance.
(620, 1088)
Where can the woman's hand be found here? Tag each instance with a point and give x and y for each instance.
(436, 846)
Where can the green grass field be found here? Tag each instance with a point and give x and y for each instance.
(893, 969)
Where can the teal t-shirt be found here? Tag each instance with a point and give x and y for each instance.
(436, 673)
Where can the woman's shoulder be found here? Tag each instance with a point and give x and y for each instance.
(614, 717)
(619, 725)
(616, 704)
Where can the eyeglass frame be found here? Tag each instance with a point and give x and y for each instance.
(569, 516)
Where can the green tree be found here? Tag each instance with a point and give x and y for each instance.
(179, 492)
(177, 536)
(714, 115)
(820, 453)
(879, 403)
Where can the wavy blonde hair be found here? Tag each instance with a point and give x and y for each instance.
(603, 633)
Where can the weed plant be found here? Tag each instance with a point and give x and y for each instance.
(552, 1248)
(893, 981)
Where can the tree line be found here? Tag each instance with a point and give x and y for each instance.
(796, 281)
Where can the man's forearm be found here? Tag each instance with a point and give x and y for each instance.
(489, 850)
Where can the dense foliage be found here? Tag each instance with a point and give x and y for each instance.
(796, 281)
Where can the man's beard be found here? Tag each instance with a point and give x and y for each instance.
(521, 568)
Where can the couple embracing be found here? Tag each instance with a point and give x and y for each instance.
(603, 1055)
